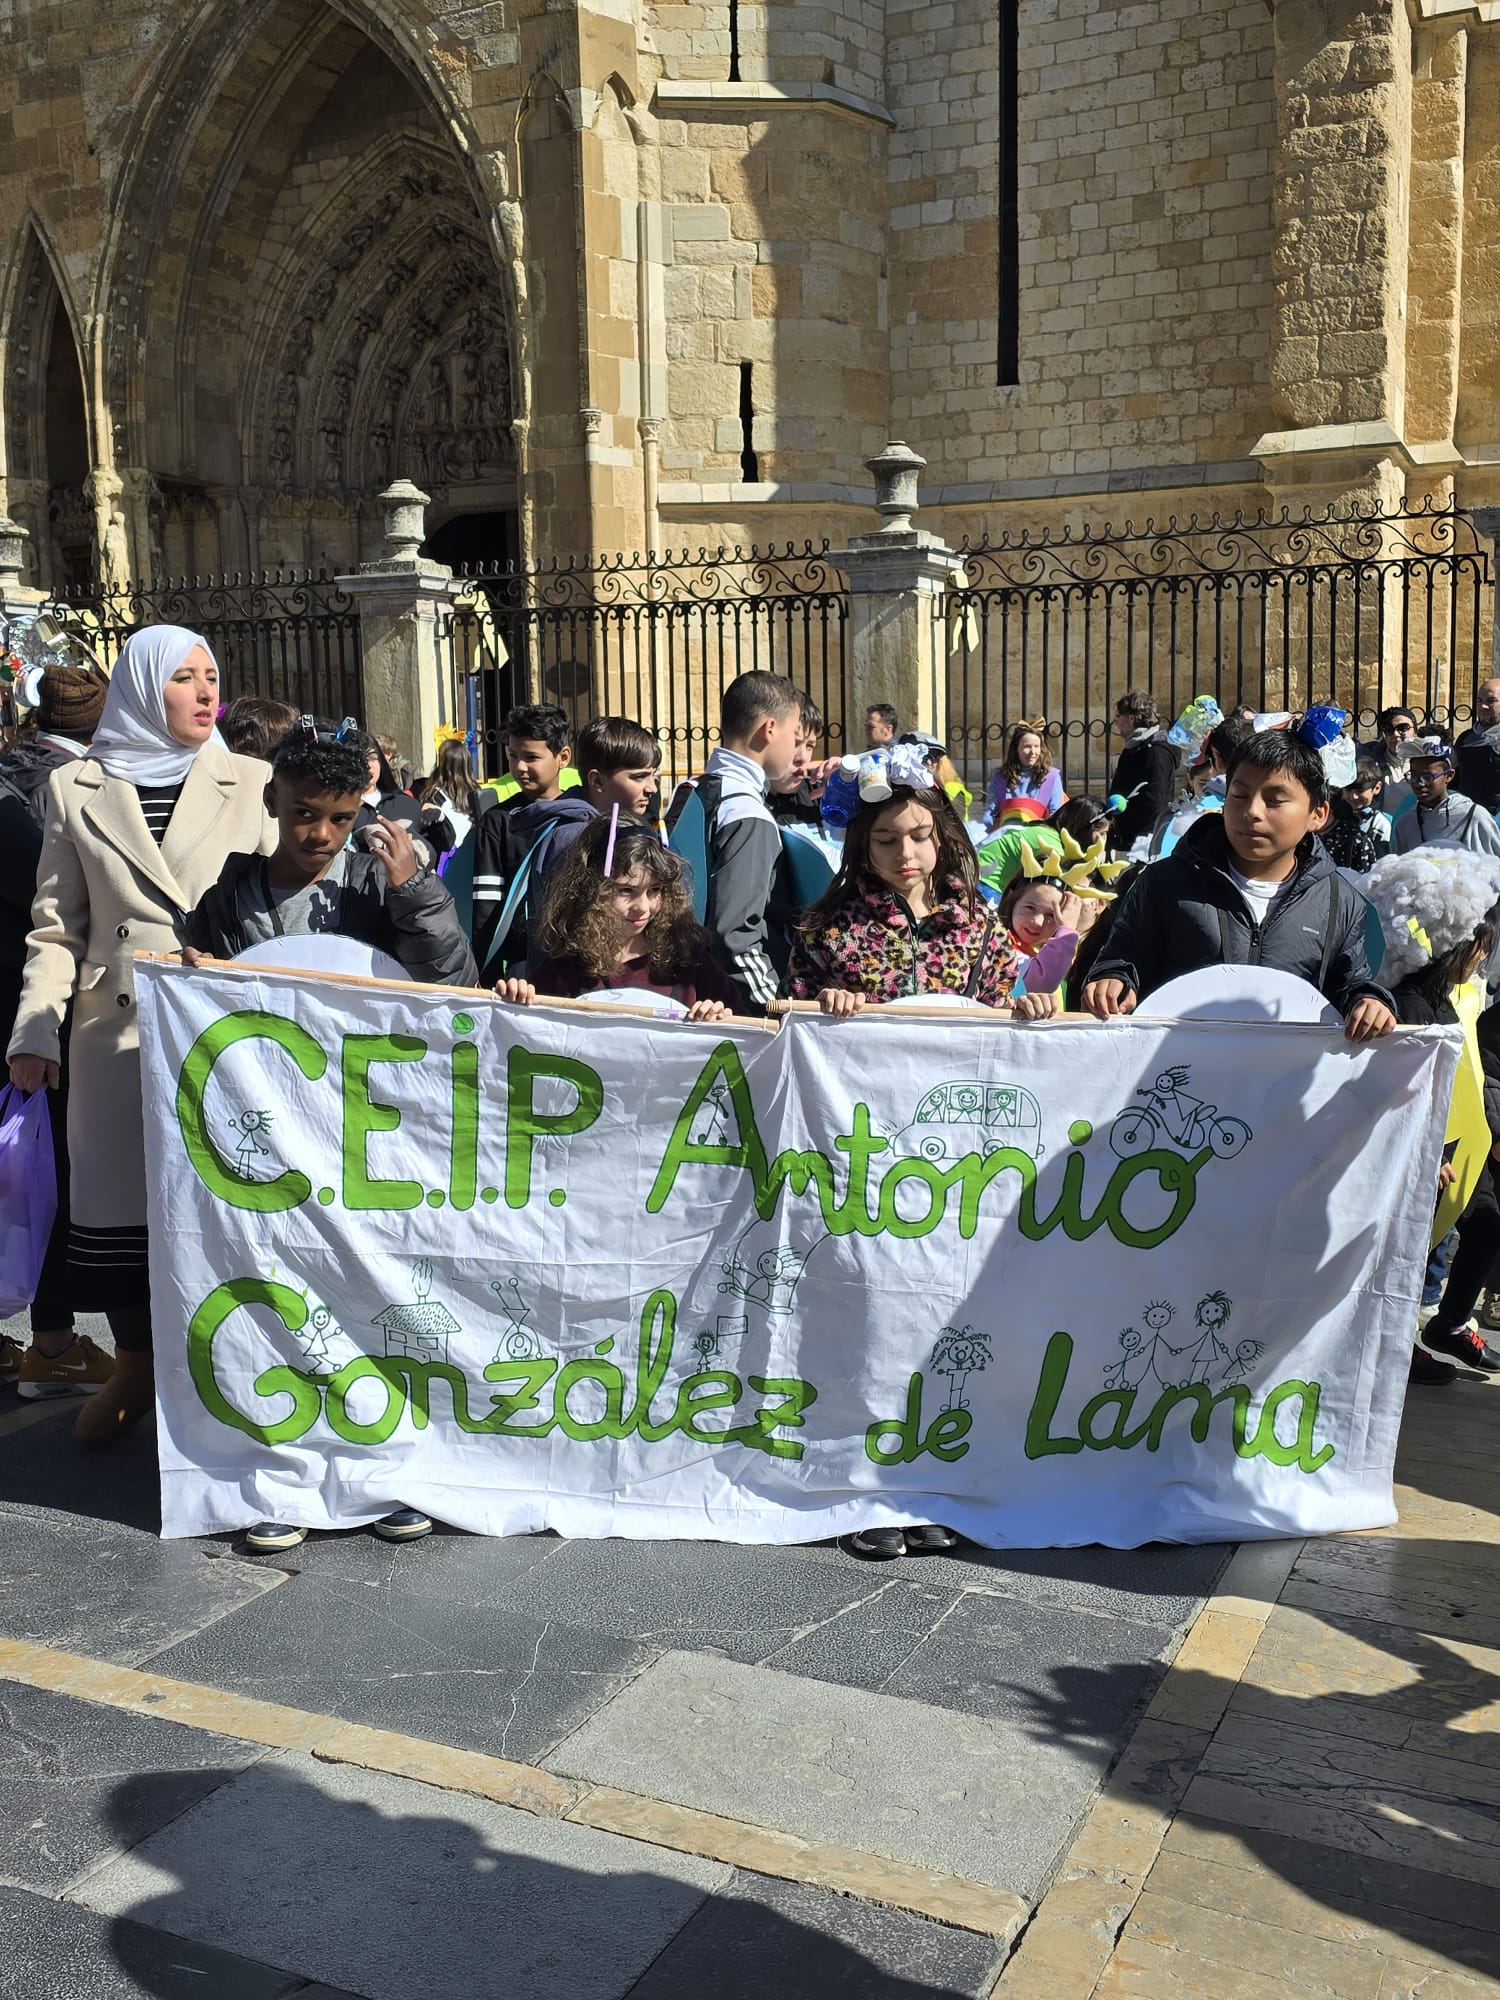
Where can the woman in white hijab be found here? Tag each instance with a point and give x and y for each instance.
(136, 832)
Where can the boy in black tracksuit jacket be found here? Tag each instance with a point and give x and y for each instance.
(1189, 910)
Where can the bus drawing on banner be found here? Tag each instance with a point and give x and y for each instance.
(967, 1116)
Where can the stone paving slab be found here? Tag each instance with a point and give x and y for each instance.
(478, 1677)
(56, 1951)
(1286, 1873)
(757, 1937)
(394, 1890)
(79, 1781)
(114, 1593)
(740, 1601)
(464, 1569)
(1077, 1675)
(899, 1778)
(867, 1644)
(1160, 1585)
(1432, 1589)
(1058, 1674)
(1436, 1813)
(1382, 1683)
(1233, 1888)
(1335, 1829)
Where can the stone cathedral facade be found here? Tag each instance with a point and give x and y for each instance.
(603, 275)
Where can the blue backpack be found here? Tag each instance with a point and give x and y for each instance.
(688, 836)
(517, 903)
(809, 870)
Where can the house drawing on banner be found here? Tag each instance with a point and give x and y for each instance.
(421, 1330)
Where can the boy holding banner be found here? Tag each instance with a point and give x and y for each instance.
(1249, 886)
(319, 881)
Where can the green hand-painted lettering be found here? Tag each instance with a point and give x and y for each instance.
(942, 1437)
(793, 1398)
(305, 1390)
(747, 1152)
(525, 1124)
(264, 1197)
(365, 1368)
(363, 1115)
(463, 1146)
(1043, 1442)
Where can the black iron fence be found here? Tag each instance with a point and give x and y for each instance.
(286, 636)
(1272, 611)
(646, 636)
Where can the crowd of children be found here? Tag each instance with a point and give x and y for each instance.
(1272, 847)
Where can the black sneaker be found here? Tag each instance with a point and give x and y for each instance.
(405, 1525)
(923, 1540)
(877, 1544)
(266, 1538)
(1430, 1373)
(1465, 1344)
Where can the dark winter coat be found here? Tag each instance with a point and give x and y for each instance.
(400, 807)
(1185, 912)
(23, 812)
(415, 923)
(1476, 768)
(502, 840)
(1145, 777)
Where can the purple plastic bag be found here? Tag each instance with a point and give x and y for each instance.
(28, 1195)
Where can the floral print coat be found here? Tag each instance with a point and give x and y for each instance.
(875, 946)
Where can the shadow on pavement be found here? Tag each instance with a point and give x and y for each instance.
(278, 1881)
(1380, 1802)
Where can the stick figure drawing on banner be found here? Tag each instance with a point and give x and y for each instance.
(249, 1125)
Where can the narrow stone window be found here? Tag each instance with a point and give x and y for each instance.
(1008, 304)
(749, 464)
(734, 41)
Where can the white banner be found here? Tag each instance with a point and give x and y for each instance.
(580, 1270)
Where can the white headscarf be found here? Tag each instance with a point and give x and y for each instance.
(132, 740)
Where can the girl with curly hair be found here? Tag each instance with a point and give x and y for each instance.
(619, 914)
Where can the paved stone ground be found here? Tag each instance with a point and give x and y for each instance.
(1312, 1805)
(949, 1715)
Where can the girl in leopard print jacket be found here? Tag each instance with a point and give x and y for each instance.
(903, 916)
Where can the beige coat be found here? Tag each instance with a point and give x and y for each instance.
(105, 891)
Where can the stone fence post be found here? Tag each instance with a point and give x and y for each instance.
(898, 582)
(399, 598)
(15, 596)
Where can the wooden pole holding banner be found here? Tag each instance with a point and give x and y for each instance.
(775, 1013)
(408, 987)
